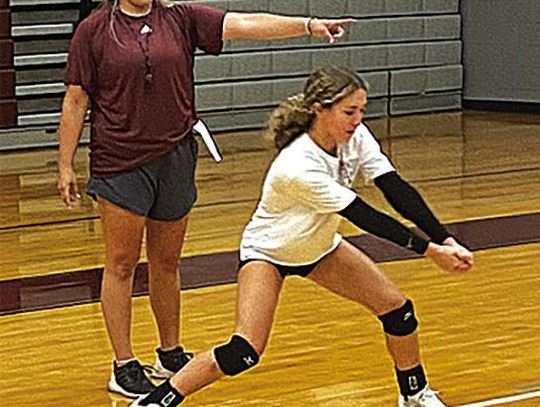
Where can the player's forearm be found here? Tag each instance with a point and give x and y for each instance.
(379, 224)
(405, 199)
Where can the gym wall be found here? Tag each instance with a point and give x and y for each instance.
(501, 50)
(409, 50)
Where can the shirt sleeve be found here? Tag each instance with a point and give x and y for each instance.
(206, 27)
(318, 191)
(373, 161)
(81, 66)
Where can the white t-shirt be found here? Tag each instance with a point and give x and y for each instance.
(296, 220)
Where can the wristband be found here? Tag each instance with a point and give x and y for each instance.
(308, 26)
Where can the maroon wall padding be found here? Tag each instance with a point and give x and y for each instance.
(8, 103)
(5, 23)
(7, 83)
(8, 112)
(6, 53)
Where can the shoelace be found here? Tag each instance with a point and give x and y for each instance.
(177, 357)
(130, 373)
(182, 358)
(428, 394)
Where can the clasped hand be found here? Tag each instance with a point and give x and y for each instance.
(451, 256)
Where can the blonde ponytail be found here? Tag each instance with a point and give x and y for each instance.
(290, 119)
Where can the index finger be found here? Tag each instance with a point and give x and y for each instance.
(337, 22)
(345, 21)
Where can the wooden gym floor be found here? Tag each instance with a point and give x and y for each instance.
(479, 171)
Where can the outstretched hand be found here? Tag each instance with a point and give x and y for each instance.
(329, 29)
(451, 256)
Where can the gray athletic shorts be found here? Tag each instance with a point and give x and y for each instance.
(163, 189)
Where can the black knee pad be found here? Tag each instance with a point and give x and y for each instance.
(236, 356)
(401, 321)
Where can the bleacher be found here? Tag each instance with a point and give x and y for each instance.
(409, 51)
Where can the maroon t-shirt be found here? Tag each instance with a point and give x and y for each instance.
(136, 118)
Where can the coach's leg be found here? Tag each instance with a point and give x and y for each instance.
(122, 231)
(164, 240)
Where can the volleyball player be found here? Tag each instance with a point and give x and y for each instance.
(293, 231)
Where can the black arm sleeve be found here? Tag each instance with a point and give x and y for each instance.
(371, 220)
(410, 204)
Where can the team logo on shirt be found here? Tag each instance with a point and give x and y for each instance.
(346, 168)
(345, 173)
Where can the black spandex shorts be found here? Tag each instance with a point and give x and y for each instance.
(285, 271)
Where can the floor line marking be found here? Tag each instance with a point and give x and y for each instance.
(503, 400)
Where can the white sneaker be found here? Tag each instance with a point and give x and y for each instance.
(129, 380)
(165, 401)
(426, 398)
(163, 396)
(158, 371)
(137, 402)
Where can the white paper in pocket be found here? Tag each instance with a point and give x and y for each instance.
(201, 128)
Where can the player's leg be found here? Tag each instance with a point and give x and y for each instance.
(350, 273)
(259, 285)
